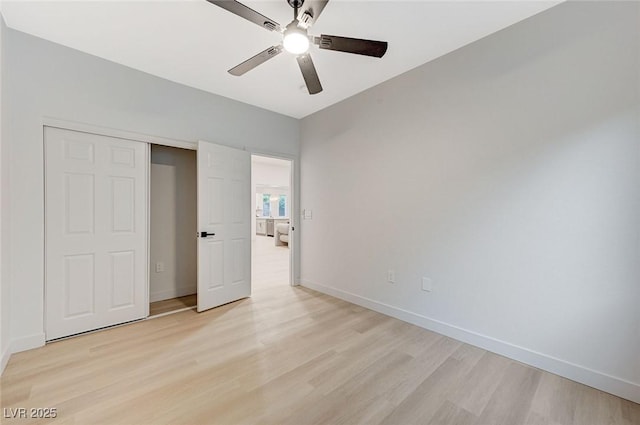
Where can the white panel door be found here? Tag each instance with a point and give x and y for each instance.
(96, 231)
(224, 223)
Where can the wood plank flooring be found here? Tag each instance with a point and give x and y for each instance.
(165, 306)
(291, 356)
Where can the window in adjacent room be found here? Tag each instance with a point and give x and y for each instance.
(266, 205)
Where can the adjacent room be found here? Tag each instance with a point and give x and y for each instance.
(320, 212)
(272, 237)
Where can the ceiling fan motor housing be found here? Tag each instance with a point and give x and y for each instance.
(296, 4)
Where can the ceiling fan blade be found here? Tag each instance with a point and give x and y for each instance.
(256, 60)
(247, 13)
(310, 11)
(352, 45)
(309, 73)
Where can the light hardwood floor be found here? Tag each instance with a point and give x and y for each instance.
(270, 264)
(165, 306)
(292, 356)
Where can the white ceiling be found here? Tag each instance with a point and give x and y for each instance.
(193, 42)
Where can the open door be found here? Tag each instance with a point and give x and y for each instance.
(224, 225)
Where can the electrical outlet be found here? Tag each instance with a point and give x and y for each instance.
(427, 284)
(391, 276)
(159, 267)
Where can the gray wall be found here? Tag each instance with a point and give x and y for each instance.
(5, 290)
(174, 219)
(43, 79)
(508, 172)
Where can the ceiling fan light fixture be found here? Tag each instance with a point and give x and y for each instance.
(295, 40)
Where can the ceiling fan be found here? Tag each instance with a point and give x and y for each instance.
(296, 40)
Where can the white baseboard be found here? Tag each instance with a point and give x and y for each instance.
(172, 293)
(27, 343)
(6, 355)
(611, 384)
(21, 344)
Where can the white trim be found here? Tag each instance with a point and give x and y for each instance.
(148, 205)
(120, 134)
(28, 342)
(5, 359)
(293, 223)
(611, 384)
(270, 154)
(180, 291)
(180, 310)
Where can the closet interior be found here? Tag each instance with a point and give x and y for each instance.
(172, 230)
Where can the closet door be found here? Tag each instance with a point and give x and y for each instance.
(95, 230)
(224, 223)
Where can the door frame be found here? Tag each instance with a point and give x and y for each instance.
(176, 143)
(293, 211)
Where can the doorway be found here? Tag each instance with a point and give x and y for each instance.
(271, 225)
(172, 229)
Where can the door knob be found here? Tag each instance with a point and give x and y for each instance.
(205, 234)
